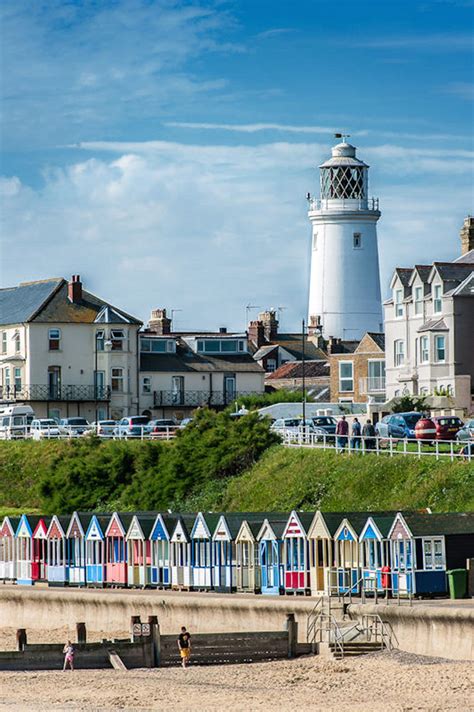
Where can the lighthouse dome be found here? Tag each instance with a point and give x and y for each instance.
(344, 149)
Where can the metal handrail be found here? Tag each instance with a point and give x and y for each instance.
(332, 626)
(372, 624)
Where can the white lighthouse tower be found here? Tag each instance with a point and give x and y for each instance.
(344, 294)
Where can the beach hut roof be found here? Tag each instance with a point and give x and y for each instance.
(440, 524)
(11, 522)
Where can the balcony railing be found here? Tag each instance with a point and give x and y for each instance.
(371, 204)
(194, 399)
(40, 392)
(372, 384)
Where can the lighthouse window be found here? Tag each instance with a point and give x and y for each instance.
(315, 241)
(357, 240)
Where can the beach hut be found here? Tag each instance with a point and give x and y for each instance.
(323, 578)
(201, 550)
(116, 550)
(31, 549)
(8, 548)
(424, 546)
(225, 551)
(160, 567)
(138, 554)
(374, 553)
(346, 543)
(296, 552)
(76, 548)
(56, 554)
(180, 559)
(95, 550)
(270, 556)
(248, 578)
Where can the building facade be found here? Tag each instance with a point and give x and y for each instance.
(429, 327)
(344, 295)
(358, 370)
(66, 352)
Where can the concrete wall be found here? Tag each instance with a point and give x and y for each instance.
(437, 630)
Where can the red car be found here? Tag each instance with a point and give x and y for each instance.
(447, 426)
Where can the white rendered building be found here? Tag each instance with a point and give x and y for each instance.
(344, 295)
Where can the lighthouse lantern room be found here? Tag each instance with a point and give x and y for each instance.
(344, 295)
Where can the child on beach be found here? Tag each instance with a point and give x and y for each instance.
(68, 651)
(184, 646)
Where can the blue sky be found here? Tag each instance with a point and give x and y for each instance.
(163, 149)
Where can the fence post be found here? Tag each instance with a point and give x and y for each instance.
(81, 633)
(21, 639)
(134, 638)
(155, 639)
(391, 446)
(292, 628)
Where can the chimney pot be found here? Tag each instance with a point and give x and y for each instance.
(74, 289)
(159, 322)
(467, 235)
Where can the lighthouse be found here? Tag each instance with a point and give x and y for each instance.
(344, 293)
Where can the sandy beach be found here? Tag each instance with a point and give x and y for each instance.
(381, 681)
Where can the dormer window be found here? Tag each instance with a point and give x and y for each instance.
(437, 299)
(418, 300)
(221, 346)
(117, 336)
(398, 299)
(157, 346)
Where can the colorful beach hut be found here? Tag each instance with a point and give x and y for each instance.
(95, 550)
(201, 550)
(31, 549)
(160, 541)
(181, 570)
(76, 548)
(138, 554)
(224, 552)
(270, 556)
(296, 552)
(346, 541)
(56, 551)
(323, 578)
(8, 548)
(248, 578)
(374, 554)
(116, 550)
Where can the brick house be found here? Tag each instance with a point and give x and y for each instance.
(358, 369)
(290, 377)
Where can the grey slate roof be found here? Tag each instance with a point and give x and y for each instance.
(432, 524)
(294, 369)
(468, 258)
(19, 304)
(452, 271)
(187, 360)
(378, 338)
(434, 325)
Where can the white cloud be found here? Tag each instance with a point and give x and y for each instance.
(440, 42)
(208, 229)
(465, 90)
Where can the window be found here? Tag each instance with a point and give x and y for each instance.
(398, 302)
(157, 346)
(100, 340)
(17, 379)
(6, 378)
(424, 349)
(216, 346)
(346, 378)
(117, 337)
(54, 339)
(4, 342)
(433, 554)
(16, 339)
(399, 347)
(418, 300)
(271, 365)
(440, 348)
(315, 241)
(357, 241)
(437, 299)
(117, 380)
(376, 375)
(146, 384)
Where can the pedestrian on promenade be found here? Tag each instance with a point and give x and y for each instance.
(368, 432)
(342, 433)
(68, 651)
(184, 646)
(356, 433)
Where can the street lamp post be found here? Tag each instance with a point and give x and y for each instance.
(303, 373)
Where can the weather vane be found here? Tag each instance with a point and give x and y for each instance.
(342, 135)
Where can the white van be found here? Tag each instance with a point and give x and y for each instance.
(15, 421)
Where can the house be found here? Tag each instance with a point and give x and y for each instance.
(66, 352)
(272, 349)
(429, 327)
(290, 376)
(358, 369)
(180, 371)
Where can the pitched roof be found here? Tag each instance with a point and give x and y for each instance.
(294, 369)
(467, 258)
(434, 325)
(404, 275)
(19, 304)
(185, 359)
(423, 271)
(466, 288)
(378, 338)
(293, 344)
(449, 523)
(264, 351)
(451, 271)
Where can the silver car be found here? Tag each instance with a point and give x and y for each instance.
(466, 432)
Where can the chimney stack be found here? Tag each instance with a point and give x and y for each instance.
(256, 333)
(159, 322)
(467, 235)
(270, 324)
(74, 289)
(334, 345)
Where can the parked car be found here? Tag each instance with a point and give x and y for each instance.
(135, 426)
(162, 428)
(185, 422)
(15, 421)
(44, 428)
(74, 427)
(327, 422)
(447, 426)
(466, 432)
(102, 428)
(398, 425)
(295, 425)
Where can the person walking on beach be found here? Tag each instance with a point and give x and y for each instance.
(368, 431)
(184, 646)
(342, 433)
(68, 651)
(356, 433)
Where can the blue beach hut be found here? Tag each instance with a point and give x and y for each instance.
(95, 551)
(201, 550)
(160, 566)
(374, 553)
(270, 555)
